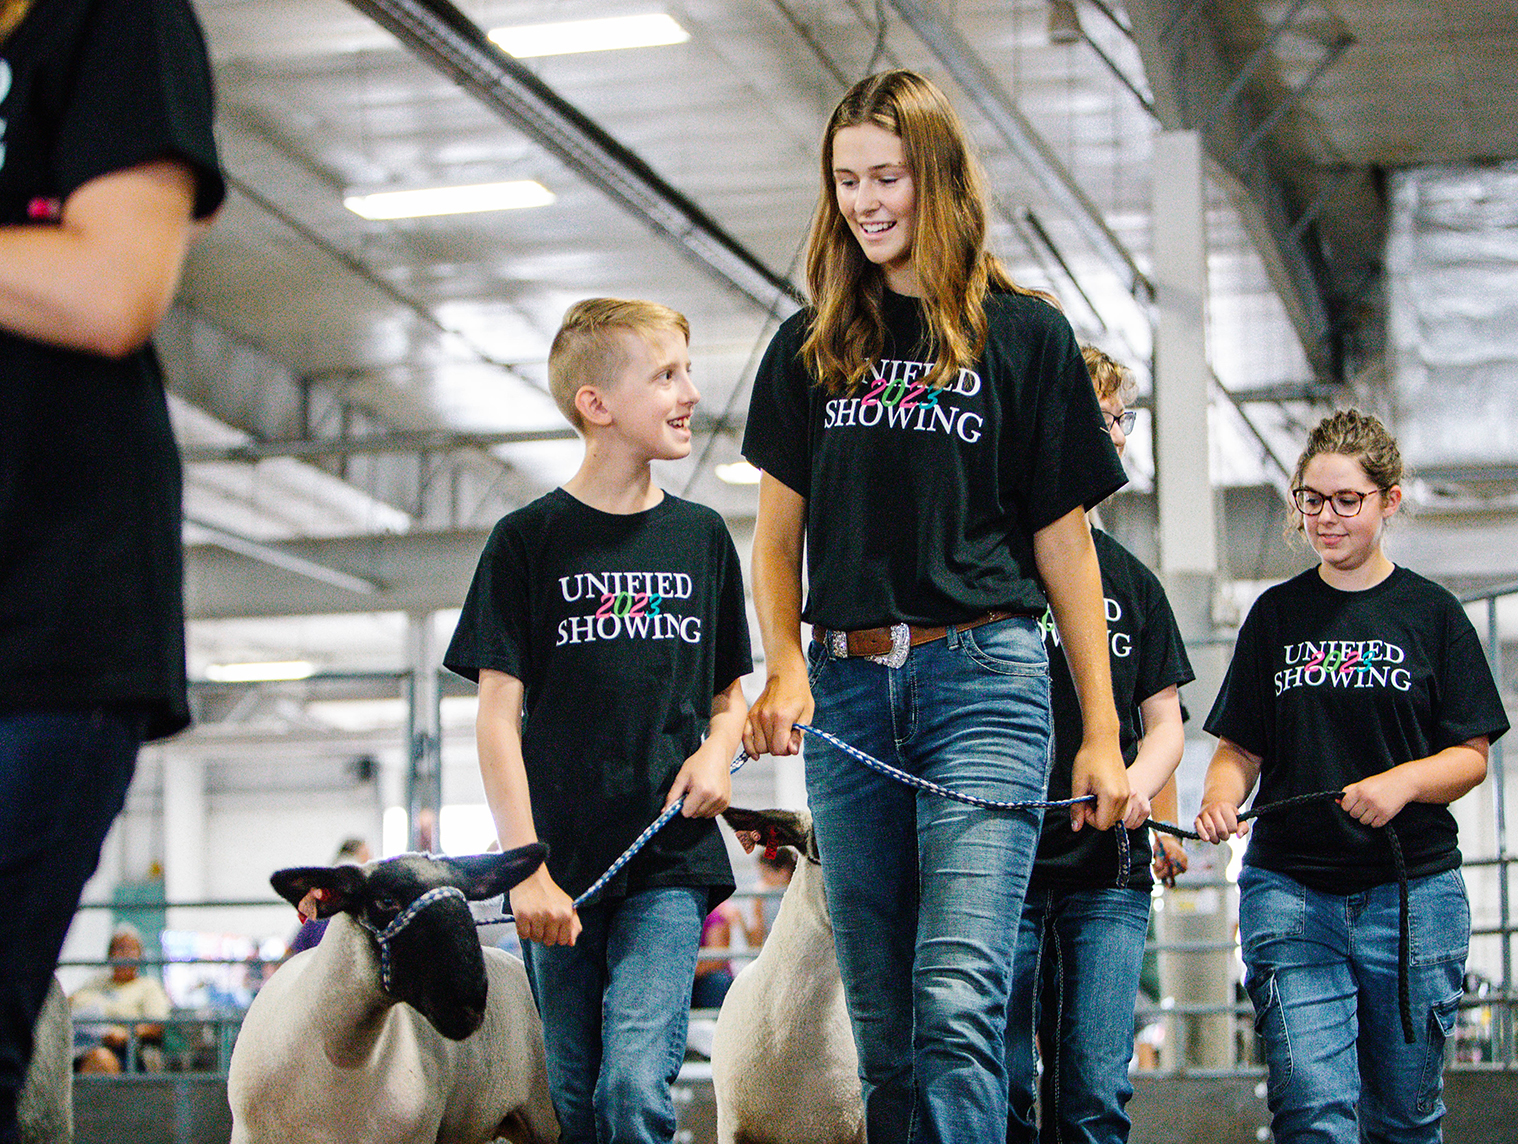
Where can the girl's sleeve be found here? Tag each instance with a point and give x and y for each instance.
(777, 436)
(143, 91)
(1468, 704)
(1073, 463)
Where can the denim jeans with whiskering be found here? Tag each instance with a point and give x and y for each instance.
(63, 779)
(615, 1008)
(925, 892)
(1075, 980)
(1322, 973)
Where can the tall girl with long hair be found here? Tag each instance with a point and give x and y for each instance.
(1363, 677)
(929, 441)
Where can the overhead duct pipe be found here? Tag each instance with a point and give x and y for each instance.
(444, 37)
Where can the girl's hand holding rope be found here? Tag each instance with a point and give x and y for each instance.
(1219, 821)
(770, 728)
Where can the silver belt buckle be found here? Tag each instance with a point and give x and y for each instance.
(901, 644)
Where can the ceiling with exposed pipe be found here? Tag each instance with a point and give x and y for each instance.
(358, 400)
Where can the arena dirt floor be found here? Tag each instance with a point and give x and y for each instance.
(167, 1109)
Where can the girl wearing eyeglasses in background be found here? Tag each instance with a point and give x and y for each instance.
(1362, 676)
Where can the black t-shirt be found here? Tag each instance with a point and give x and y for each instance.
(622, 629)
(1147, 656)
(922, 504)
(1329, 687)
(91, 606)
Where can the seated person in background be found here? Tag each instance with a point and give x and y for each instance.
(712, 976)
(120, 995)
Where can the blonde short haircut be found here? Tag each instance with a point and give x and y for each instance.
(586, 350)
(1108, 376)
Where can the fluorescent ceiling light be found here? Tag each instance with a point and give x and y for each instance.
(450, 200)
(259, 672)
(738, 473)
(599, 35)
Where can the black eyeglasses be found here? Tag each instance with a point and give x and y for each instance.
(1346, 503)
(1125, 419)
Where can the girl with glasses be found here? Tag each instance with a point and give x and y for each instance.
(1359, 676)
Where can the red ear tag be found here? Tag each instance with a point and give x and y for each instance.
(771, 853)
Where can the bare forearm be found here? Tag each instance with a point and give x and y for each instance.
(729, 710)
(502, 769)
(100, 278)
(1158, 755)
(1231, 775)
(1450, 774)
(776, 569)
(1160, 749)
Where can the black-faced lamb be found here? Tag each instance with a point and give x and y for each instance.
(784, 1066)
(398, 1028)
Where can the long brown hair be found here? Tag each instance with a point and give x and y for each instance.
(12, 12)
(954, 270)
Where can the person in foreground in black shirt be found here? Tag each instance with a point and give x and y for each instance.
(1080, 947)
(606, 628)
(1361, 676)
(929, 439)
(106, 160)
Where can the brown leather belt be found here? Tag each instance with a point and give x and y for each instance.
(880, 641)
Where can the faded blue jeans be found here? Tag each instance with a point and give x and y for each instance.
(1322, 973)
(925, 892)
(615, 1008)
(1076, 977)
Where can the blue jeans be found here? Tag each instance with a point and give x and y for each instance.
(1075, 980)
(925, 892)
(615, 1007)
(63, 780)
(1322, 973)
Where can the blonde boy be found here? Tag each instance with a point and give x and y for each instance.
(607, 631)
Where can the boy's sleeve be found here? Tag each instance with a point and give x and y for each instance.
(491, 631)
(734, 657)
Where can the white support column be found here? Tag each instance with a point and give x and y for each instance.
(185, 810)
(1187, 525)
(424, 775)
(1181, 442)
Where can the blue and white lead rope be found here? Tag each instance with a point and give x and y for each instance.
(911, 780)
(638, 843)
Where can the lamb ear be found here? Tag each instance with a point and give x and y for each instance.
(483, 876)
(342, 885)
(774, 827)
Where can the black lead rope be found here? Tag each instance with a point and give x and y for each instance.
(1404, 926)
